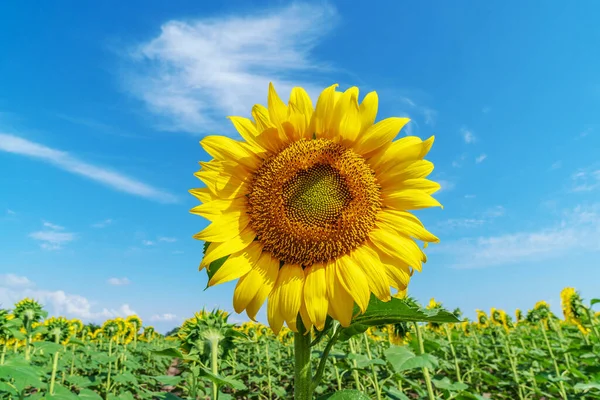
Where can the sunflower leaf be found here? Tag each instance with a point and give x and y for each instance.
(392, 312)
(345, 395)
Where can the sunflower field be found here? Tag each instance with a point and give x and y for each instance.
(533, 355)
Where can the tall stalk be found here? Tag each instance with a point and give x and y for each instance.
(214, 364)
(302, 365)
(426, 376)
(456, 367)
(561, 386)
(54, 365)
(373, 372)
(354, 364)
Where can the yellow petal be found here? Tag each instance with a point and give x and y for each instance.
(406, 170)
(237, 265)
(305, 319)
(277, 108)
(368, 110)
(225, 227)
(375, 273)
(302, 101)
(222, 185)
(410, 148)
(226, 149)
(409, 199)
(324, 111)
(378, 135)
(346, 120)
(212, 210)
(261, 117)
(398, 246)
(289, 287)
(273, 315)
(354, 281)
(315, 295)
(407, 224)
(202, 194)
(341, 303)
(218, 250)
(252, 289)
(248, 131)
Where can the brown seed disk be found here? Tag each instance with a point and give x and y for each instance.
(313, 202)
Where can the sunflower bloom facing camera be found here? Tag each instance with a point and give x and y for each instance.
(312, 209)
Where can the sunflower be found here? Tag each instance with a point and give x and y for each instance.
(58, 330)
(482, 318)
(310, 210)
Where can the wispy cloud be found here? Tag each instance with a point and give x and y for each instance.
(163, 317)
(15, 281)
(167, 239)
(177, 252)
(556, 165)
(102, 224)
(97, 126)
(479, 159)
(60, 302)
(477, 220)
(52, 238)
(53, 226)
(118, 281)
(486, 110)
(445, 185)
(148, 243)
(459, 161)
(10, 212)
(67, 162)
(470, 196)
(197, 70)
(428, 114)
(578, 229)
(468, 135)
(585, 180)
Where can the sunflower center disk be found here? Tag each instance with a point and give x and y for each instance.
(313, 202)
(316, 196)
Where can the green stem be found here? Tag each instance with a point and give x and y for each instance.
(214, 364)
(513, 366)
(556, 369)
(449, 336)
(268, 371)
(54, 367)
(302, 365)
(28, 347)
(425, 369)
(109, 367)
(373, 372)
(323, 361)
(72, 360)
(354, 364)
(337, 374)
(3, 353)
(591, 318)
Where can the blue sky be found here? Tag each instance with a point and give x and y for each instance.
(102, 108)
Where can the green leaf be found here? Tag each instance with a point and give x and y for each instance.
(345, 395)
(5, 388)
(222, 381)
(214, 266)
(168, 380)
(126, 377)
(395, 394)
(61, 393)
(445, 384)
(48, 347)
(169, 352)
(88, 394)
(594, 301)
(394, 311)
(126, 396)
(402, 359)
(585, 387)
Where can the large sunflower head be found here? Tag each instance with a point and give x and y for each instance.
(572, 305)
(58, 329)
(135, 321)
(312, 209)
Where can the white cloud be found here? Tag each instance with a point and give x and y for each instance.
(480, 158)
(67, 162)
(478, 220)
(118, 281)
(494, 212)
(52, 239)
(102, 224)
(13, 281)
(10, 212)
(585, 180)
(195, 71)
(429, 115)
(163, 317)
(470, 196)
(459, 161)
(556, 165)
(177, 252)
(167, 239)
(148, 243)
(578, 230)
(61, 303)
(53, 226)
(468, 136)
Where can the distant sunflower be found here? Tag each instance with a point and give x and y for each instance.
(311, 209)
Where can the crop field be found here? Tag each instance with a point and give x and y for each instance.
(533, 355)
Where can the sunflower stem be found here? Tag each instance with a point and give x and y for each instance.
(302, 365)
(323, 361)
(373, 372)
(456, 367)
(4, 345)
(561, 386)
(425, 369)
(214, 352)
(54, 366)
